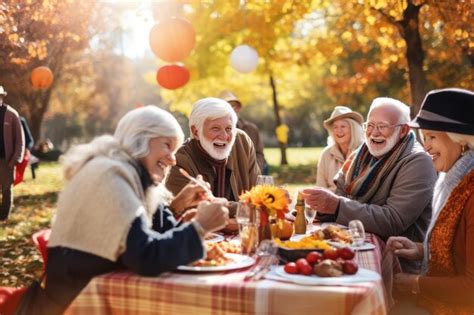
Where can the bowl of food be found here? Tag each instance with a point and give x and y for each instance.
(293, 249)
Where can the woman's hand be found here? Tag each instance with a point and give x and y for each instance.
(212, 216)
(189, 196)
(188, 215)
(403, 247)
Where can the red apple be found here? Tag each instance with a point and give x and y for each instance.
(350, 267)
(314, 257)
(301, 263)
(331, 253)
(306, 270)
(346, 253)
(291, 268)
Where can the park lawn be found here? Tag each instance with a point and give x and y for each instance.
(35, 205)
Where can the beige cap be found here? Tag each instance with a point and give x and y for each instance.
(341, 112)
(228, 96)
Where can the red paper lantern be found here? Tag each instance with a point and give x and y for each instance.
(172, 39)
(42, 77)
(172, 76)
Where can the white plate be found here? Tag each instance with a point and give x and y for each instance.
(239, 261)
(214, 238)
(365, 246)
(362, 275)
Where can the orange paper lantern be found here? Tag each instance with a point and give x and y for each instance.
(42, 77)
(172, 39)
(172, 76)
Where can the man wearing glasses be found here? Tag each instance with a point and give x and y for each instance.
(387, 183)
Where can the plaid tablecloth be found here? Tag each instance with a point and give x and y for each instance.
(227, 293)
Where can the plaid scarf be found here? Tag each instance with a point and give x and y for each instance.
(363, 172)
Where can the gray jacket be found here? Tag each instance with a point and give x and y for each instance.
(402, 204)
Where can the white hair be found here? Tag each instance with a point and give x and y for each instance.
(210, 108)
(462, 139)
(403, 109)
(131, 137)
(357, 134)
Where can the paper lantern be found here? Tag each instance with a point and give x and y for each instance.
(172, 76)
(41, 77)
(172, 39)
(244, 58)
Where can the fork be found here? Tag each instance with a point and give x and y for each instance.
(266, 258)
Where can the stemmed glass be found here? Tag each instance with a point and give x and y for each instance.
(265, 180)
(356, 229)
(247, 219)
(309, 214)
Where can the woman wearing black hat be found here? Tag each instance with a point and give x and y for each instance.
(446, 285)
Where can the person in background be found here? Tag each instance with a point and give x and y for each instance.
(387, 183)
(250, 128)
(115, 212)
(446, 283)
(21, 167)
(345, 135)
(12, 146)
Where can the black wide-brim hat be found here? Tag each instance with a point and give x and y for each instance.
(449, 110)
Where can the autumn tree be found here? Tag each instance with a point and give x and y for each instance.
(37, 33)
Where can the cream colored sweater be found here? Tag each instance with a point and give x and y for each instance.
(97, 207)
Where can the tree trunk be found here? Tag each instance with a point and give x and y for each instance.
(276, 110)
(409, 28)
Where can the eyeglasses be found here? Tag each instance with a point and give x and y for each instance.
(368, 126)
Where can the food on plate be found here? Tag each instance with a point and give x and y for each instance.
(333, 233)
(314, 257)
(350, 267)
(331, 253)
(216, 254)
(346, 253)
(291, 268)
(307, 242)
(328, 268)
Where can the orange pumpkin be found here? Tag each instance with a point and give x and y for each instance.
(172, 76)
(42, 77)
(172, 39)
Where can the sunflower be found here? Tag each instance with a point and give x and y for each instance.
(271, 199)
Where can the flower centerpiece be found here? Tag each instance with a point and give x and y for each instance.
(270, 202)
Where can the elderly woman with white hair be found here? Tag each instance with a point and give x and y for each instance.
(114, 212)
(345, 135)
(446, 283)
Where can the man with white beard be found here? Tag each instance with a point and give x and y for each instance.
(217, 150)
(387, 183)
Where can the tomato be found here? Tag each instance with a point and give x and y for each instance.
(350, 267)
(306, 270)
(291, 267)
(331, 253)
(301, 263)
(314, 257)
(346, 253)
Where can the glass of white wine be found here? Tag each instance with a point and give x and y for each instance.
(265, 180)
(309, 214)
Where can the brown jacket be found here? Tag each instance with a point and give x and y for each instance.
(13, 137)
(241, 163)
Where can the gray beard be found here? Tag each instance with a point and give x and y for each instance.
(216, 154)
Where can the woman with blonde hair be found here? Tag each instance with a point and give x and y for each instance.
(446, 284)
(345, 135)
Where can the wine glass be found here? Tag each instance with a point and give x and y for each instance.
(247, 219)
(356, 229)
(309, 214)
(265, 180)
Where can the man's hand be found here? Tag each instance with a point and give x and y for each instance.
(321, 199)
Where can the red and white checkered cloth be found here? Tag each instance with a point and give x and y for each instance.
(227, 293)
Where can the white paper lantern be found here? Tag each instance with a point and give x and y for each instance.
(244, 58)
